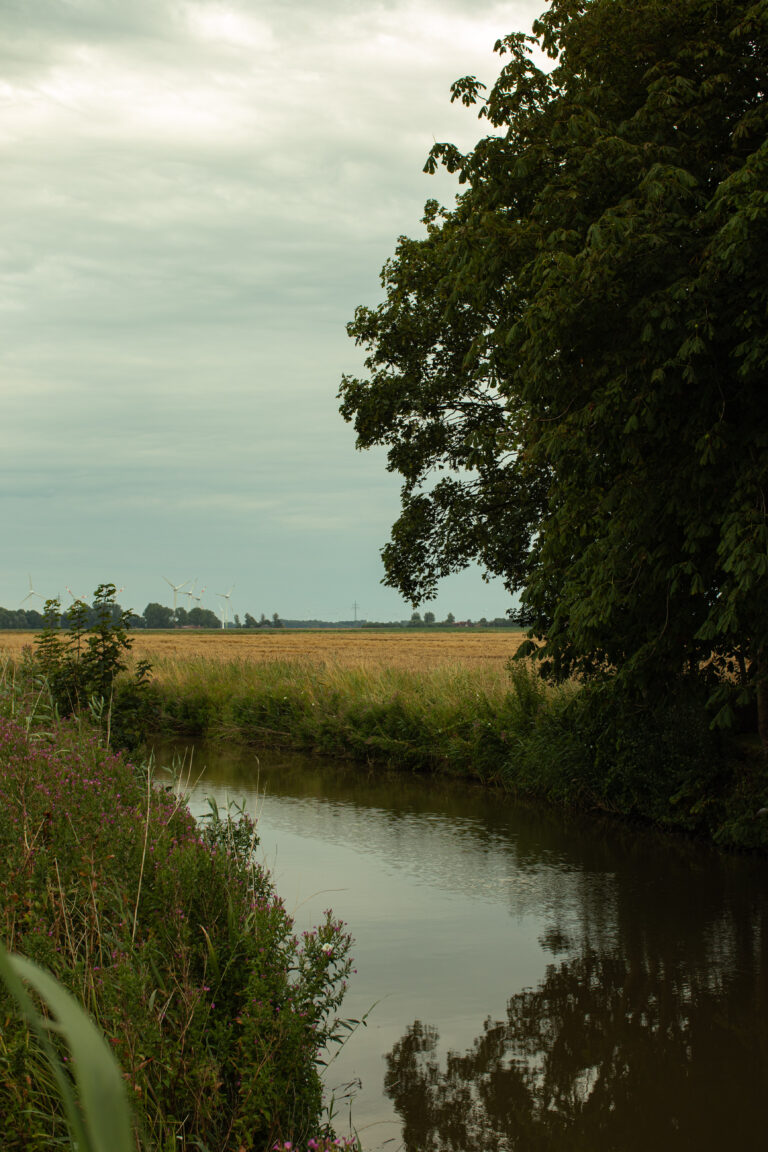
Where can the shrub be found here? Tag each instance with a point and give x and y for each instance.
(80, 664)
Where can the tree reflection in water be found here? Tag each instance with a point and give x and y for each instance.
(609, 1054)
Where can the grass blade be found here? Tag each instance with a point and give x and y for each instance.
(98, 1115)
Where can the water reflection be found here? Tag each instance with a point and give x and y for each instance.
(544, 980)
(657, 1041)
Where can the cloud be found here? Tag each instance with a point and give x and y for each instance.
(196, 196)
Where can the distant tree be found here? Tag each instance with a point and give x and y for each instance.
(20, 618)
(180, 617)
(429, 617)
(450, 618)
(158, 616)
(203, 618)
(416, 618)
(276, 621)
(250, 621)
(237, 621)
(263, 622)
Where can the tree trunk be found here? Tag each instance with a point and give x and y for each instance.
(762, 700)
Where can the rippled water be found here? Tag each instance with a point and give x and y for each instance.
(534, 981)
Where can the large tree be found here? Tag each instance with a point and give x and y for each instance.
(569, 368)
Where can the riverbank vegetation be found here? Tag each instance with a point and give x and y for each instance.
(168, 933)
(580, 745)
(447, 704)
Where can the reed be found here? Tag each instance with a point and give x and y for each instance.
(95, 1105)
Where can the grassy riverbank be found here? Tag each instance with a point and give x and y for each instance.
(170, 936)
(502, 726)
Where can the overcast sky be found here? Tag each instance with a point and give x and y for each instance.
(196, 196)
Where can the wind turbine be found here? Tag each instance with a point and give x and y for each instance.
(176, 589)
(190, 594)
(197, 598)
(32, 592)
(225, 612)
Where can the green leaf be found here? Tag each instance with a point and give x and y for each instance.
(99, 1117)
(598, 293)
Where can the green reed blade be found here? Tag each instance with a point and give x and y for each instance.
(99, 1119)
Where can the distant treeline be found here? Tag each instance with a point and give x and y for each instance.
(153, 616)
(20, 618)
(160, 616)
(513, 621)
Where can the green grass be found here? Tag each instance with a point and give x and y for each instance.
(580, 746)
(447, 719)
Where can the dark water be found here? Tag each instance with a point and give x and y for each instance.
(540, 981)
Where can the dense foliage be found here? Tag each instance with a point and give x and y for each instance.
(20, 618)
(569, 369)
(175, 942)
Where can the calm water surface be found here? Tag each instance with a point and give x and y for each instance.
(541, 982)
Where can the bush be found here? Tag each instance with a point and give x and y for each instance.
(599, 747)
(80, 664)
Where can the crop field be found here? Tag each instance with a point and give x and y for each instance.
(349, 649)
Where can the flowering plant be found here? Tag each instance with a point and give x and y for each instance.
(174, 940)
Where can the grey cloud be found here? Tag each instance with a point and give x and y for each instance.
(192, 210)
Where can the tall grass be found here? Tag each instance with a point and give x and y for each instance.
(577, 745)
(449, 718)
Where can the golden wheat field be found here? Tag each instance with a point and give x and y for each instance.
(353, 648)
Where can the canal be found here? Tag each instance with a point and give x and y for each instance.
(529, 979)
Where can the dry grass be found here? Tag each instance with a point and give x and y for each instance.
(346, 649)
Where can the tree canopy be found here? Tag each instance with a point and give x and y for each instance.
(568, 369)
